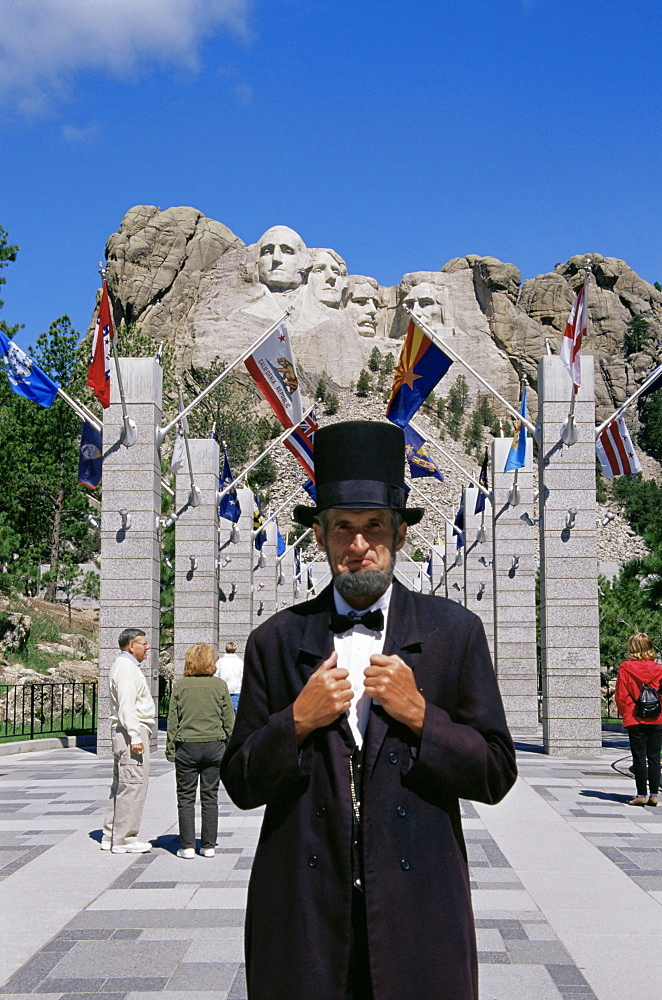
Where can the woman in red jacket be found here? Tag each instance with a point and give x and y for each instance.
(645, 734)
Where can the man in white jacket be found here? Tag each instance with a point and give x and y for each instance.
(132, 715)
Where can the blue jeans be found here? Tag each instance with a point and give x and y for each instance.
(201, 761)
(645, 744)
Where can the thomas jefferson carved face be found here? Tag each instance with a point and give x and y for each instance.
(328, 278)
(363, 305)
(423, 300)
(282, 259)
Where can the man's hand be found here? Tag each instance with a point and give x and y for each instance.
(391, 682)
(326, 695)
(138, 749)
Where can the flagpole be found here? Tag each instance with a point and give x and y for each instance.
(458, 531)
(628, 402)
(286, 433)
(161, 432)
(80, 410)
(294, 545)
(569, 431)
(272, 517)
(514, 495)
(129, 434)
(456, 357)
(451, 459)
(195, 496)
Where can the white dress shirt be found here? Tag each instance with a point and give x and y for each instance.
(354, 648)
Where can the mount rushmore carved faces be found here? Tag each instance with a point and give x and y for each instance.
(282, 259)
(364, 304)
(328, 278)
(424, 300)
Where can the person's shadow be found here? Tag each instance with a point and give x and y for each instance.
(605, 796)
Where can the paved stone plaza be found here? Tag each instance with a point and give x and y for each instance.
(566, 879)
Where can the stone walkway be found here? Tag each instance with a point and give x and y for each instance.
(566, 880)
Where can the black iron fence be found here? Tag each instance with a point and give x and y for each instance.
(32, 710)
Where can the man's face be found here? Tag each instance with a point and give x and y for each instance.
(138, 647)
(360, 549)
(423, 303)
(363, 305)
(328, 279)
(280, 259)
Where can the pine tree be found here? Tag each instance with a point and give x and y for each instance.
(364, 383)
(375, 360)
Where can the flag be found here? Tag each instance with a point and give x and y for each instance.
(258, 521)
(229, 507)
(91, 456)
(25, 378)
(575, 330)
(420, 463)
(517, 454)
(272, 368)
(459, 523)
(301, 443)
(297, 564)
(98, 369)
(420, 366)
(280, 543)
(178, 452)
(309, 487)
(656, 383)
(482, 479)
(428, 564)
(615, 450)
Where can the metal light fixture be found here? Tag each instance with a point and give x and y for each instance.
(261, 560)
(194, 563)
(92, 521)
(606, 519)
(570, 517)
(481, 589)
(514, 496)
(126, 519)
(481, 535)
(514, 563)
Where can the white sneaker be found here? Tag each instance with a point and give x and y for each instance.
(135, 847)
(105, 845)
(186, 852)
(207, 852)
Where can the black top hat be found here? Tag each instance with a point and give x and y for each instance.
(360, 464)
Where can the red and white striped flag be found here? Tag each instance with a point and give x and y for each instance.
(301, 443)
(273, 370)
(615, 450)
(98, 371)
(575, 330)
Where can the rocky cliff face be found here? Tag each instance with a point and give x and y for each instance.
(189, 280)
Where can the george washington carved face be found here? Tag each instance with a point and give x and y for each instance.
(282, 259)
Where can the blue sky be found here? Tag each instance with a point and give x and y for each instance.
(401, 135)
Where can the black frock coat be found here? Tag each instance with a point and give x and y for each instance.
(420, 922)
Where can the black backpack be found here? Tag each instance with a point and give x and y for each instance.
(647, 705)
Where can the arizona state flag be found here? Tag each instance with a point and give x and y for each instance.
(420, 367)
(98, 370)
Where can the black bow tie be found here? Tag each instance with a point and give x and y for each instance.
(371, 619)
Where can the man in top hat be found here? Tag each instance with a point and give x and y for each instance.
(365, 715)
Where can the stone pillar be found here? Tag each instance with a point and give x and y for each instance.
(478, 562)
(264, 577)
(196, 541)
(454, 567)
(130, 557)
(285, 585)
(515, 561)
(437, 582)
(235, 591)
(568, 559)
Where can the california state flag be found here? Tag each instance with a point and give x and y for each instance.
(98, 370)
(272, 366)
(575, 330)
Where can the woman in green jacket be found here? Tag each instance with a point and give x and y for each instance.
(200, 722)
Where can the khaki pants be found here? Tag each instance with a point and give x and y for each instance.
(128, 790)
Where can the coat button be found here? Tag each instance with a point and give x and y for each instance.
(401, 811)
(312, 861)
(404, 864)
(393, 757)
(320, 811)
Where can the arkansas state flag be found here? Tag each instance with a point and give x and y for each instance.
(301, 443)
(98, 371)
(420, 366)
(272, 367)
(615, 450)
(575, 330)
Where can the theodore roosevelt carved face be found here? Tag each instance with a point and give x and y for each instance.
(282, 259)
(363, 304)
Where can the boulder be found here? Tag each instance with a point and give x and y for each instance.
(14, 631)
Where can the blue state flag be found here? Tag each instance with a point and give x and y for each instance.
(229, 506)
(309, 487)
(25, 378)
(258, 521)
(482, 479)
(459, 523)
(90, 461)
(428, 565)
(420, 366)
(280, 543)
(416, 451)
(297, 565)
(517, 454)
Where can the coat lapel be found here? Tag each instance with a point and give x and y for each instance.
(404, 638)
(317, 645)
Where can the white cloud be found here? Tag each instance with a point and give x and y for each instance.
(243, 94)
(80, 134)
(45, 43)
